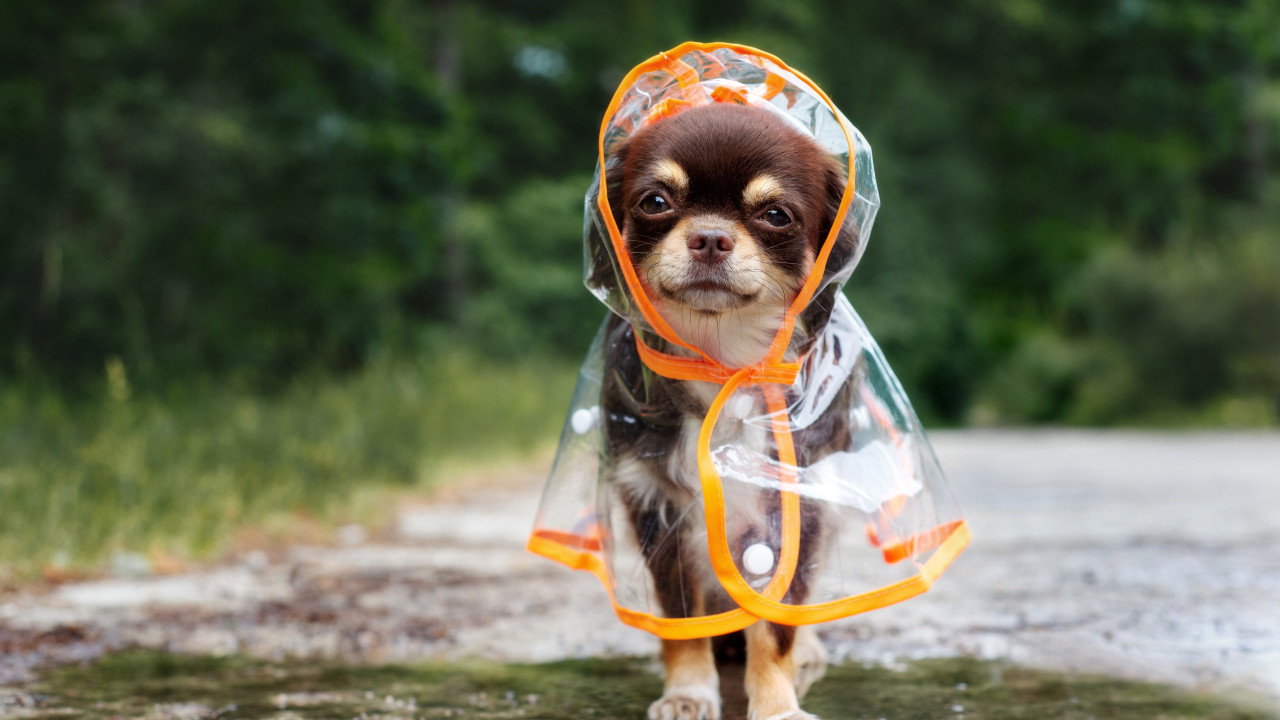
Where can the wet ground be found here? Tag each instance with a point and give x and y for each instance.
(165, 686)
(1147, 557)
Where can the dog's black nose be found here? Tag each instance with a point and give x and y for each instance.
(710, 246)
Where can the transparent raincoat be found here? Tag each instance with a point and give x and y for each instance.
(821, 429)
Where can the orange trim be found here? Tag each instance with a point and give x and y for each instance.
(733, 620)
(670, 61)
(773, 84)
(669, 628)
(946, 553)
(776, 401)
(590, 542)
(713, 498)
(914, 545)
(686, 76)
(684, 368)
(723, 94)
(667, 108)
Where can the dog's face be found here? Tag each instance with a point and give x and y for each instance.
(723, 209)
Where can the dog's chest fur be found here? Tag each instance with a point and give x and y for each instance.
(739, 338)
(652, 427)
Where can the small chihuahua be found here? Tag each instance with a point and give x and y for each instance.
(723, 209)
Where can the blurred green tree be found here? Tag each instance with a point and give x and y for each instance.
(216, 186)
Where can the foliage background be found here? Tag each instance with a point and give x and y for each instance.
(264, 202)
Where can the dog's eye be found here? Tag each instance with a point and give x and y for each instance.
(654, 205)
(776, 217)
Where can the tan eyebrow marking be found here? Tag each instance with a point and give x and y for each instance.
(669, 171)
(760, 190)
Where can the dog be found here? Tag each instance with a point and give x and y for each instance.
(723, 209)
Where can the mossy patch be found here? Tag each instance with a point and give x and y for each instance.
(143, 684)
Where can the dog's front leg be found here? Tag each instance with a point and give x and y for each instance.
(692, 689)
(770, 679)
(809, 658)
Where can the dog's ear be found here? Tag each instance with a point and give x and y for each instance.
(815, 317)
(602, 274)
(615, 177)
(846, 245)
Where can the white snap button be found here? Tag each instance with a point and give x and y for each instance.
(583, 419)
(758, 559)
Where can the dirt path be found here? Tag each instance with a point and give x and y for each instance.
(1149, 556)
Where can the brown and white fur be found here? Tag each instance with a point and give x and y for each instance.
(723, 209)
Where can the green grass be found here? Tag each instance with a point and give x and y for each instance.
(144, 684)
(179, 471)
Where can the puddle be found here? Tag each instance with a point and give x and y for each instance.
(152, 685)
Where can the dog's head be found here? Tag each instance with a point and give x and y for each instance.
(724, 209)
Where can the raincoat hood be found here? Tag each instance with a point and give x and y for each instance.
(820, 431)
(699, 74)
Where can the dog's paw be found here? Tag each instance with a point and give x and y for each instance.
(690, 702)
(810, 660)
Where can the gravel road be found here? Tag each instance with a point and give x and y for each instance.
(1141, 555)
